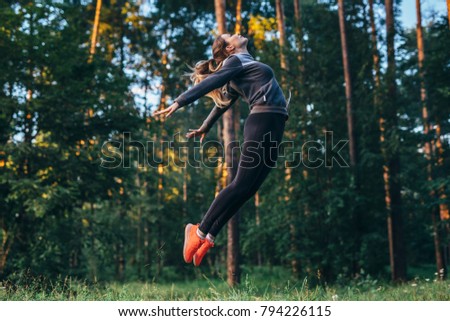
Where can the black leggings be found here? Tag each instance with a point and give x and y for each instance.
(262, 136)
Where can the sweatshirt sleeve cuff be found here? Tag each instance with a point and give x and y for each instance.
(181, 101)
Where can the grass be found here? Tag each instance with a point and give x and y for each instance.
(254, 286)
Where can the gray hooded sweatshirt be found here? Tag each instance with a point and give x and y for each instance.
(245, 77)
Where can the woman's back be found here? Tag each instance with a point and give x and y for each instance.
(256, 84)
(254, 81)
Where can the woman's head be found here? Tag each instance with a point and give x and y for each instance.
(223, 46)
(226, 44)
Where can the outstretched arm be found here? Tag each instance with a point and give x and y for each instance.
(231, 67)
(216, 113)
(213, 116)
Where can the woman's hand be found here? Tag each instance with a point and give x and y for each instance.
(169, 110)
(197, 132)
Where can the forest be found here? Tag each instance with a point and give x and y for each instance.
(90, 188)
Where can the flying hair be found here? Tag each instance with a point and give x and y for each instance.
(204, 68)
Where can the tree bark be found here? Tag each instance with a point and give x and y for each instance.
(121, 247)
(29, 113)
(219, 171)
(98, 8)
(392, 158)
(258, 223)
(444, 213)
(443, 207)
(348, 83)
(7, 241)
(238, 26)
(297, 11)
(233, 270)
(426, 132)
(448, 13)
(219, 6)
(356, 211)
(381, 123)
(282, 39)
(147, 261)
(295, 262)
(138, 228)
(299, 41)
(375, 57)
(300, 94)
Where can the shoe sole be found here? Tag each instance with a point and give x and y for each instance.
(187, 230)
(195, 263)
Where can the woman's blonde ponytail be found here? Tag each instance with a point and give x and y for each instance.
(204, 68)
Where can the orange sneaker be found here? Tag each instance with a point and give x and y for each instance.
(192, 242)
(198, 257)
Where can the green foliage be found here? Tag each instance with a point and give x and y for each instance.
(63, 217)
(260, 285)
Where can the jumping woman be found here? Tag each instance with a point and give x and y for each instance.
(234, 73)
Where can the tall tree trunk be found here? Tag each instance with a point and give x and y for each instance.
(98, 8)
(291, 218)
(148, 190)
(392, 159)
(160, 181)
(356, 212)
(159, 264)
(233, 252)
(304, 112)
(448, 13)
(377, 99)
(444, 213)
(146, 250)
(29, 113)
(279, 6)
(426, 132)
(282, 39)
(258, 223)
(185, 191)
(238, 26)
(233, 270)
(443, 207)
(121, 246)
(297, 11)
(159, 203)
(376, 59)
(397, 260)
(219, 7)
(299, 41)
(219, 171)
(348, 84)
(119, 21)
(92, 257)
(7, 241)
(138, 253)
(298, 92)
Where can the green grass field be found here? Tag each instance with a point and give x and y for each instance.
(255, 286)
